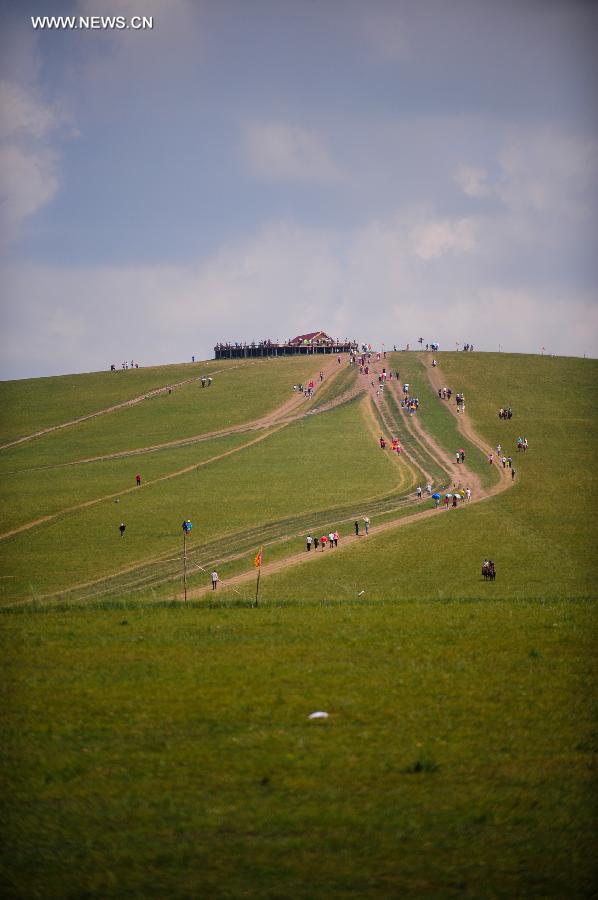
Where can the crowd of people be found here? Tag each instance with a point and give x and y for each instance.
(125, 365)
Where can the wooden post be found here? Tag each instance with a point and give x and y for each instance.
(257, 587)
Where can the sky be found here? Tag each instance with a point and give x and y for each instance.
(246, 169)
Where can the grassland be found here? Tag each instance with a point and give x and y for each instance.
(153, 749)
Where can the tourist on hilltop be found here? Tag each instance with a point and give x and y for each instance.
(468, 493)
(331, 539)
(122, 528)
(138, 479)
(462, 452)
(308, 542)
(498, 449)
(428, 488)
(510, 461)
(215, 579)
(203, 381)
(512, 474)
(316, 542)
(504, 462)
(458, 455)
(336, 537)
(490, 458)
(356, 526)
(323, 542)
(447, 500)
(454, 501)
(419, 492)
(366, 523)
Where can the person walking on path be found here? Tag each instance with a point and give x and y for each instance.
(429, 488)
(490, 458)
(308, 542)
(462, 452)
(316, 542)
(122, 528)
(447, 500)
(331, 543)
(336, 537)
(512, 474)
(510, 461)
(458, 455)
(419, 492)
(356, 528)
(504, 462)
(323, 541)
(366, 523)
(215, 579)
(468, 493)
(138, 479)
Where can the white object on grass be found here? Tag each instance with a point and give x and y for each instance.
(318, 715)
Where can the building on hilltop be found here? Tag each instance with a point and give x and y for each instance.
(313, 342)
(313, 337)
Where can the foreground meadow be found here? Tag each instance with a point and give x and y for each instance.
(167, 751)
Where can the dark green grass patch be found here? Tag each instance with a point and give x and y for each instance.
(168, 751)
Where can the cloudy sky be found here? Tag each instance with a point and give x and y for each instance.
(380, 169)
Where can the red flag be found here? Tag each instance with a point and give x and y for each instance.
(258, 560)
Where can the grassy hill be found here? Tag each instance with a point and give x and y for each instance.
(154, 748)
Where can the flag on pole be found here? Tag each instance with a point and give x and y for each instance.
(258, 560)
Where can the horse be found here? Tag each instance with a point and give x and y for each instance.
(488, 570)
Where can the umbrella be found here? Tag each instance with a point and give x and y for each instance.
(448, 495)
(436, 496)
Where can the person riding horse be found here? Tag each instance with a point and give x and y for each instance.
(488, 570)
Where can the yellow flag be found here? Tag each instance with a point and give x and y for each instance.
(258, 560)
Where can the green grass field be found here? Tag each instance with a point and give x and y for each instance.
(157, 749)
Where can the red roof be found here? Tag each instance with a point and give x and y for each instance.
(320, 335)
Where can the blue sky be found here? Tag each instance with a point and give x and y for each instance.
(256, 169)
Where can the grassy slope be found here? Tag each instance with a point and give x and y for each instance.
(531, 531)
(312, 465)
(35, 403)
(167, 752)
(241, 393)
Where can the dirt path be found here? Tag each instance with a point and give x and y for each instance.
(108, 409)
(279, 418)
(285, 413)
(478, 495)
(269, 424)
(437, 380)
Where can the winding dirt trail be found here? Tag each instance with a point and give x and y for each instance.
(290, 411)
(466, 428)
(287, 412)
(108, 409)
(479, 494)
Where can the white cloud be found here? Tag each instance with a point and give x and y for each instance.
(24, 114)
(472, 181)
(371, 283)
(28, 161)
(437, 237)
(281, 151)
